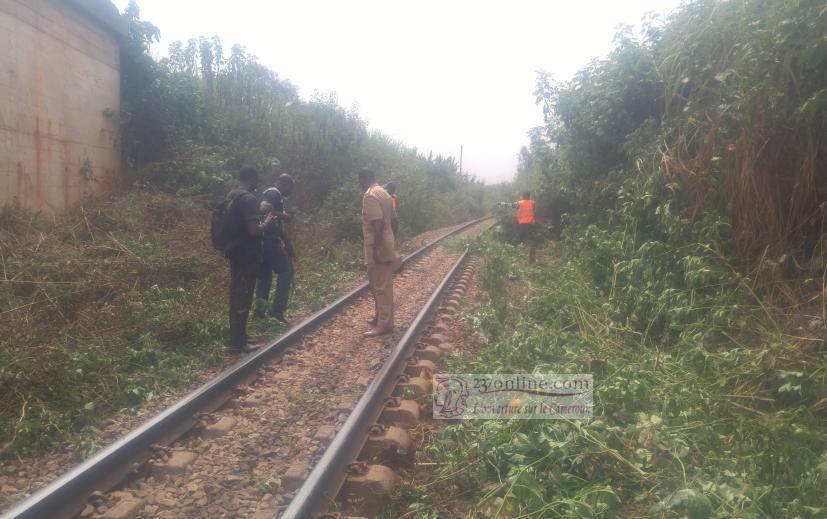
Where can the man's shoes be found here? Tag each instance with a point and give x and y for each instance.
(279, 317)
(247, 348)
(375, 332)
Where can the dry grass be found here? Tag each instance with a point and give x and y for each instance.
(99, 307)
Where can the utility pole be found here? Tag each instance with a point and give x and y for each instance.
(460, 159)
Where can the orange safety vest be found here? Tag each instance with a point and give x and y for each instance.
(525, 211)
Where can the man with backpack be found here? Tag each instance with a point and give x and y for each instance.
(278, 252)
(236, 231)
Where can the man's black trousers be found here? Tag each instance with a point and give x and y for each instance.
(242, 282)
(276, 260)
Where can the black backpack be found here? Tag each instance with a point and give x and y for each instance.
(224, 226)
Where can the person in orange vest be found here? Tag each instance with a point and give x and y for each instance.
(525, 217)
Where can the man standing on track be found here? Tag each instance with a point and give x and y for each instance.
(380, 253)
(245, 256)
(278, 251)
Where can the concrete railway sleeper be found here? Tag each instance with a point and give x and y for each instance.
(355, 473)
(216, 451)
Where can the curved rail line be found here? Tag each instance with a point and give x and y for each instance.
(322, 485)
(68, 494)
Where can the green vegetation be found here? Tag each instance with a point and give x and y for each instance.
(684, 174)
(715, 411)
(117, 301)
(191, 120)
(717, 116)
(114, 305)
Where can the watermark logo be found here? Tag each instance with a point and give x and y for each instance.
(506, 396)
(450, 396)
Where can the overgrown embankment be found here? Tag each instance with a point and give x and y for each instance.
(714, 407)
(715, 115)
(115, 303)
(687, 172)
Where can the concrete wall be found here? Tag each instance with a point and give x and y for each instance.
(59, 103)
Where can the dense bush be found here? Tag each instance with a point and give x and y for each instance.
(706, 403)
(192, 119)
(723, 105)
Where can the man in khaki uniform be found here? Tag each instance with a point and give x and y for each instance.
(380, 254)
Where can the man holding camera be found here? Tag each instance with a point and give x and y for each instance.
(277, 250)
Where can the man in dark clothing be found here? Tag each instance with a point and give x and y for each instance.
(245, 257)
(278, 251)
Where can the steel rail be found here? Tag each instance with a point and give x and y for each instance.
(67, 495)
(323, 483)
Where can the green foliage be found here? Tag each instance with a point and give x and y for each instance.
(723, 104)
(712, 410)
(674, 164)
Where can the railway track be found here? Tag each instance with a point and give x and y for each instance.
(260, 426)
(354, 474)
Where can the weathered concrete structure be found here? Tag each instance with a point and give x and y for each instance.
(59, 101)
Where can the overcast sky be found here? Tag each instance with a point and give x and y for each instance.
(432, 74)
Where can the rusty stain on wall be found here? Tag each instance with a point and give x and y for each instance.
(38, 160)
(64, 159)
(24, 183)
(61, 74)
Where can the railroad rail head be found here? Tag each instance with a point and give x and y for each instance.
(322, 485)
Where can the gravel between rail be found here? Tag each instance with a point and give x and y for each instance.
(337, 339)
